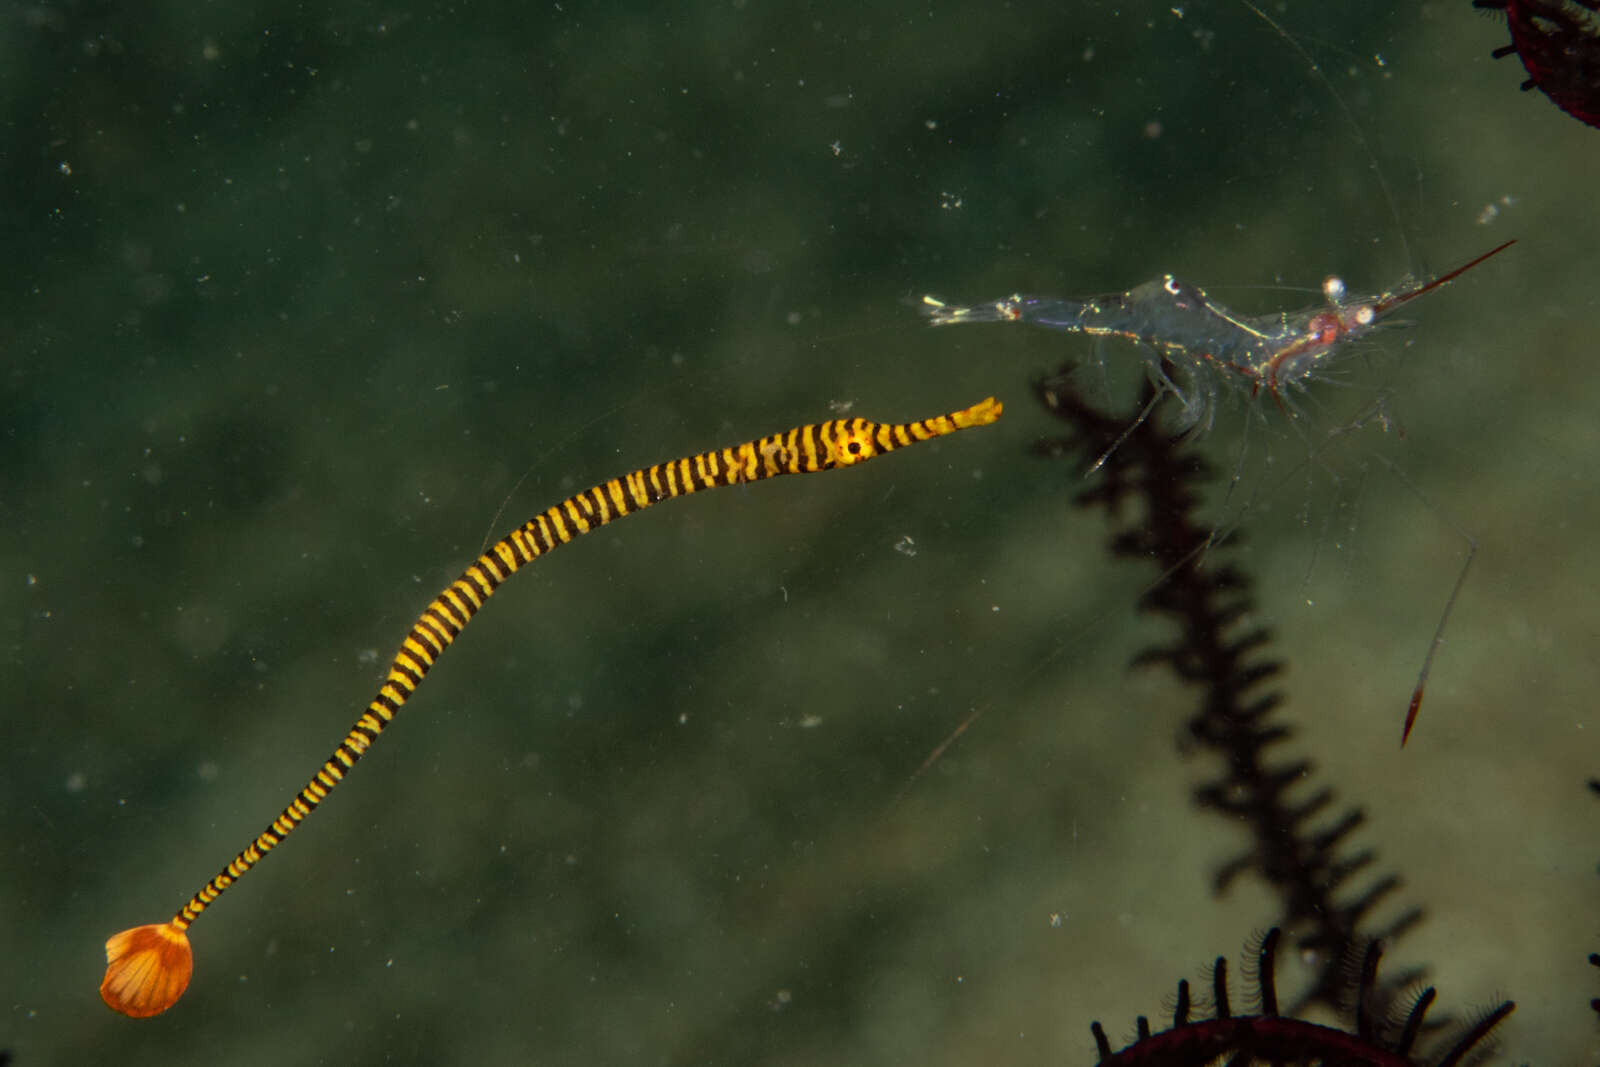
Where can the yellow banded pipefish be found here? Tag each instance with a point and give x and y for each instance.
(149, 967)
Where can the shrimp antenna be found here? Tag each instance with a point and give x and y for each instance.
(1449, 605)
(1350, 117)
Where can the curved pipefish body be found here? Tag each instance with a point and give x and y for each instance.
(148, 967)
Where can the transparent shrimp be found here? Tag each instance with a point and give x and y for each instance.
(1194, 348)
(1182, 334)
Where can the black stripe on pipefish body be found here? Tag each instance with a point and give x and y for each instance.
(1207, 347)
(149, 967)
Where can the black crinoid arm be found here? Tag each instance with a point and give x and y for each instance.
(1390, 1037)
(1149, 481)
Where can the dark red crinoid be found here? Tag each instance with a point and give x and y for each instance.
(1558, 42)
(1381, 1036)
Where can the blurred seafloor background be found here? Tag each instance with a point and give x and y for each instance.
(304, 303)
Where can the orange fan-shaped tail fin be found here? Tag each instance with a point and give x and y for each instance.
(147, 969)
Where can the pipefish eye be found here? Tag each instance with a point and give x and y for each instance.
(852, 444)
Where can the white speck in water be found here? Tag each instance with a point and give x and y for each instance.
(905, 546)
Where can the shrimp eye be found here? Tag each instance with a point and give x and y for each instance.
(1365, 315)
(1333, 288)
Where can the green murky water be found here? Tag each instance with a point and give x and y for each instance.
(302, 306)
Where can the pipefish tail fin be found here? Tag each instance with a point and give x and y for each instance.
(148, 967)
